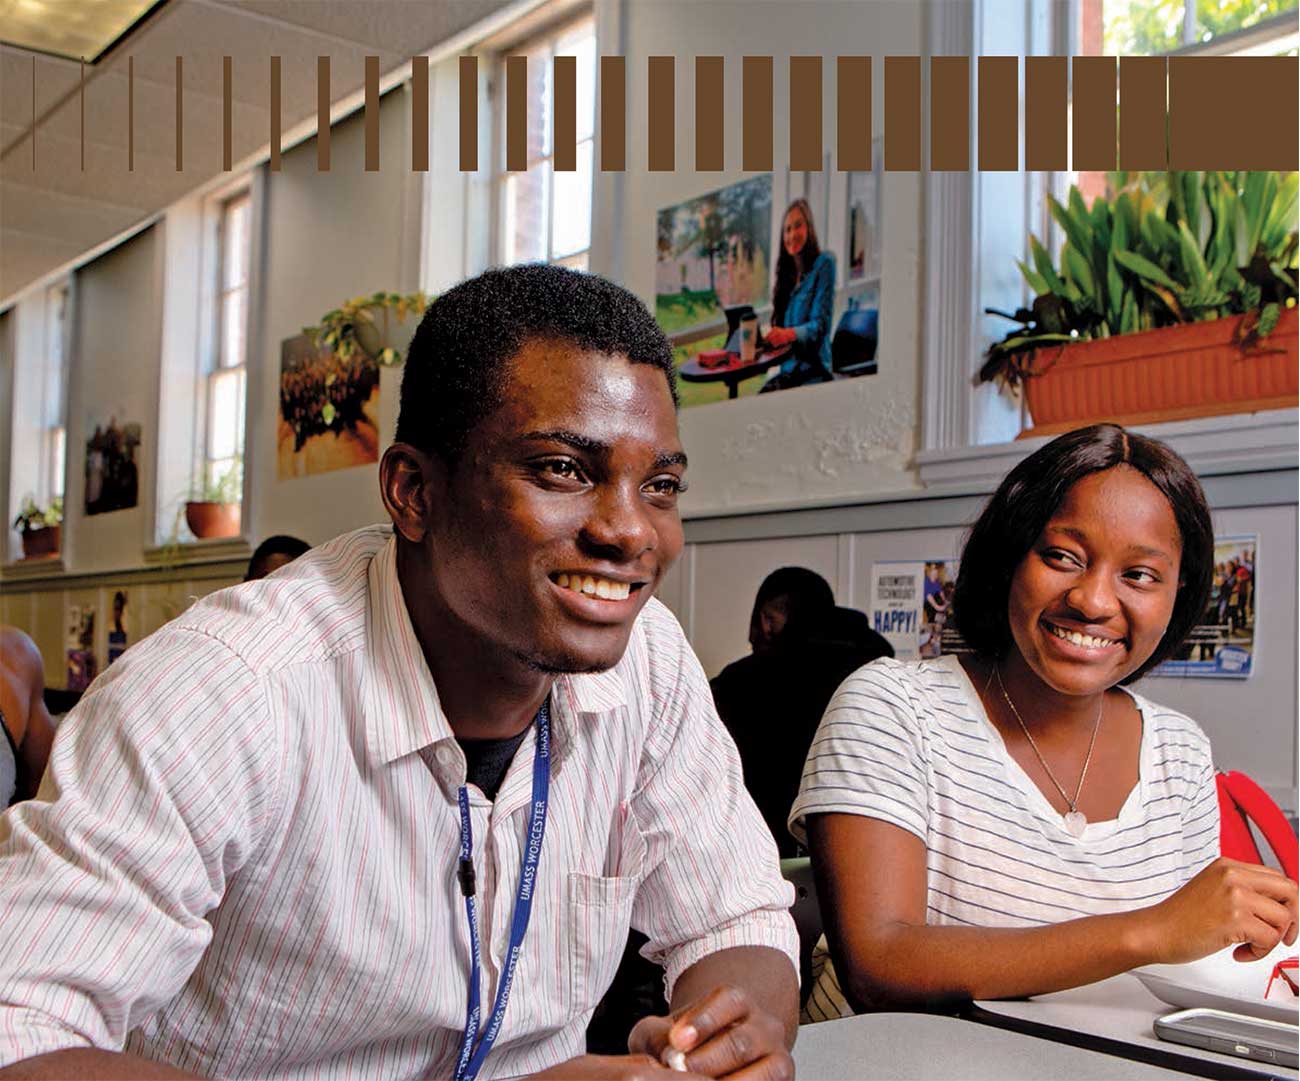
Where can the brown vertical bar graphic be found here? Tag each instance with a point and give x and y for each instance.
(516, 113)
(227, 113)
(83, 114)
(756, 113)
(1093, 99)
(902, 113)
(180, 117)
(710, 131)
(613, 114)
(372, 114)
(1209, 129)
(130, 114)
(949, 113)
(565, 115)
(660, 149)
(275, 114)
(322, 114)
(1046, 135)
(853, 113)
(420, 114)
(468, 114)
(806, 113)
(998, 113)
(1142, 113)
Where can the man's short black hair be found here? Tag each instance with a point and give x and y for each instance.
(280, 544)
(1025, 501)
(456, 366)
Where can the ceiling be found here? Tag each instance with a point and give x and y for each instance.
(56, 211)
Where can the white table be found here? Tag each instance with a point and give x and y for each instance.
(1119, 1009)
(904, 1046)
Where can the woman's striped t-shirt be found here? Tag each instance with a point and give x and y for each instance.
(910, 744)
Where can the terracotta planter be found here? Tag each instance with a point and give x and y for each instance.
(1196, 370)
(40, 543)
(212, 520)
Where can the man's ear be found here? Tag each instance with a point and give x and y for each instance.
(408, 481)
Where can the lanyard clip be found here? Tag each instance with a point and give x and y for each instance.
(465, 872)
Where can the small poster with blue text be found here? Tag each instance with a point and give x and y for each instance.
(1222, 644)
(911, 605)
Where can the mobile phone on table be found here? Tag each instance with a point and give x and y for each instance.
(1232, 1034)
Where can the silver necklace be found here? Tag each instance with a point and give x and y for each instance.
(1075, 820)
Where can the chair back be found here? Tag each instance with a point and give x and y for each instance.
(806, 913)
(1243, 804)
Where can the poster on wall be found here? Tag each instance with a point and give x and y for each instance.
(112, 476)
(1222, 645)
(80, 646)
(117, 639)
(329, 410)
(911, 605)
(864, 219)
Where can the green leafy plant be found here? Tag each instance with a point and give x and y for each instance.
(32, 516)
(364, 325)
(224, 487)
(1162, 249)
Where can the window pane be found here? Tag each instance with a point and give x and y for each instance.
(582, 45)
(571, 214)
(235, 244)
(232, 328)
(58, 444)
(226, 414)
(525, 215)
(575, 262)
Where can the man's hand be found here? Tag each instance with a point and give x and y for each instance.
(723, 1033)
(612, 1068)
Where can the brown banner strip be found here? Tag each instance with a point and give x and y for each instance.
(756, 113)
(806, 113)
(662, 106)
(275, 114)
(998, 117)
(565, 119)
(516, 114)
(372, 114)
(1210, 129)
(1094, 113)
(227, 113)
(613, 114)
(902, 113)
(180, 121)
(853, 113)
(322, 114)
(420, 114)
(130, 114)
(949, 113)
(1046, 114)
(710, 131)
(469, 114)
(1142, 121)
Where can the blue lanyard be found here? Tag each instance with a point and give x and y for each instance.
(471, 1058)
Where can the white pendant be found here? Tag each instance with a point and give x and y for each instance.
(1075, 823)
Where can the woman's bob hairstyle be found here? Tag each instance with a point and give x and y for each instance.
(1020, 509)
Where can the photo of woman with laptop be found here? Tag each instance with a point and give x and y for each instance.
(803, 301)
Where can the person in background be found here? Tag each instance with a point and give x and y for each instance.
(771, 701)
(347, 820)
(802, 302)
(28, 728)
(1016, 821)
(274, 553)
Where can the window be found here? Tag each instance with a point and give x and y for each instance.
(545, 215)
(1156, 27)
(222, 466)
(54, 434)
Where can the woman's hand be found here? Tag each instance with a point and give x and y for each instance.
(777, 336)
(723, 1033)
(1227, 903)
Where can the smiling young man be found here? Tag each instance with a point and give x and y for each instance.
(392, 811)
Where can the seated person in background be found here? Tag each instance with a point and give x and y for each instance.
(802, 302)
(274, 553)
(28, 729)
(1015, 821)
(345, 821)
(771, 700)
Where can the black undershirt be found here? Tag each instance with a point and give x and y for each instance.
(487, 760)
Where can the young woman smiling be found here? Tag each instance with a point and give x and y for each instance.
(1015, 821)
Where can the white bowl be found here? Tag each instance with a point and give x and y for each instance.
(1220, 982)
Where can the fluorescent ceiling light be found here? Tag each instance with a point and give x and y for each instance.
(71, 28)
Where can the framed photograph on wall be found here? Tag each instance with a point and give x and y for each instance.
(864, 219)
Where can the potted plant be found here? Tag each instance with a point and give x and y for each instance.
(368, 325)
(213, 509)
(41, 527)
(1174, 297)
